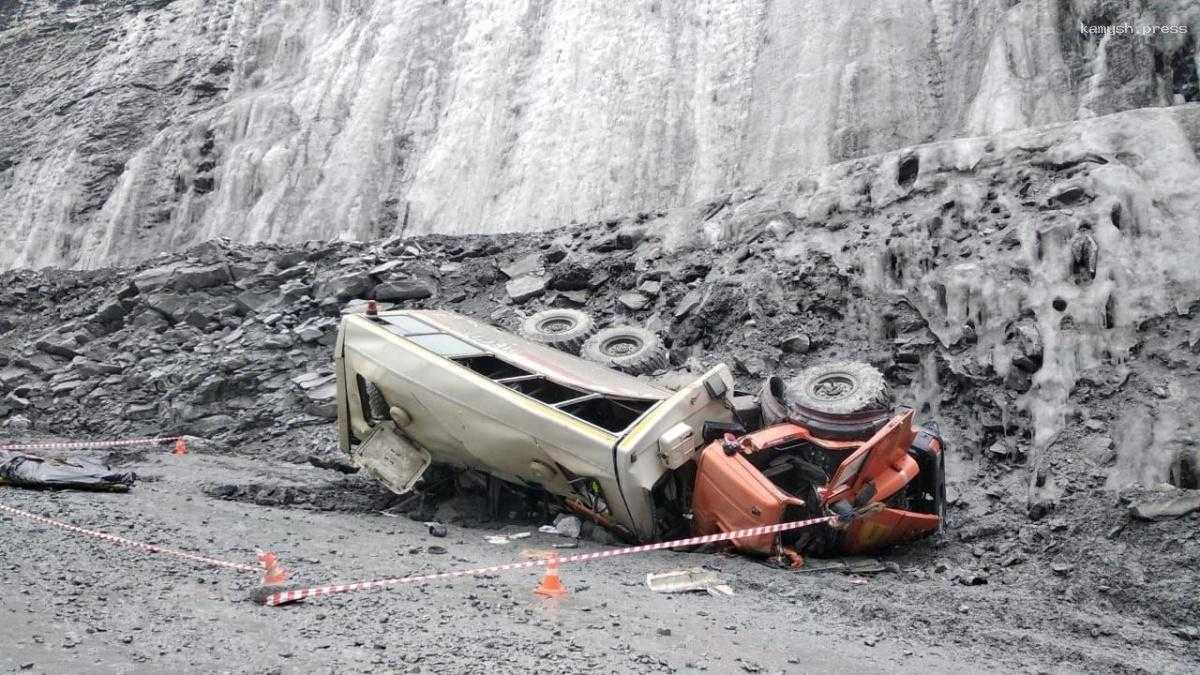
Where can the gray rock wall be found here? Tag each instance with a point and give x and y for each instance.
(129, 128)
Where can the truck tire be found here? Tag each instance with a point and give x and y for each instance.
(844, 400)
(564, 329)
(627, 348)
(771, 401)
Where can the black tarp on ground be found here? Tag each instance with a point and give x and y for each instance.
(28, 471)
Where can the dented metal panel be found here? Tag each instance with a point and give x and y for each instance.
(391, 458)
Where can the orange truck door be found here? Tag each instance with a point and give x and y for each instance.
(883, 460)
(730, 494)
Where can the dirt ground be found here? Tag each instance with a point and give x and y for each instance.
(73, 604)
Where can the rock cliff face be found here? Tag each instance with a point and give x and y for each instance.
(1048, 258)
(128, 128)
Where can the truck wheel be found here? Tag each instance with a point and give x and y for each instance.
(564, 329)
(842, 400)
(627, 348)
(771, 401)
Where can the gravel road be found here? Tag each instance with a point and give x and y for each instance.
(75, 604)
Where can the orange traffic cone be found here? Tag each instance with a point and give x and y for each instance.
(273, 572)
(551, 586)
(180, 447)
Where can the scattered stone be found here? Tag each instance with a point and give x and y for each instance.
(380, 271)
(798, 343)
(689, 303)
(141, 411)
(196, 278)
(58, 346)
(257, 301)
(344, 287)
(111, 312)
(633, 301)
(530, 264)
(1173, 505)
(403, 289)
(1026, 340)
(650, 288)
(575, 297)
(154, 278)
(568, 525)
(526, 288)
(1062, 569)
(339, 462)
(623, 240)
(1189, 633)
(322, 400)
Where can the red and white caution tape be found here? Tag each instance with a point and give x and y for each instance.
(148, 548)
(90, 444)
(283, 597)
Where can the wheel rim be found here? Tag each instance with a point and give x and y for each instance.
(620, 346)
(833, 387)
(557, 324)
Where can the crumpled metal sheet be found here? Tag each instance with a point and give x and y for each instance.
(691, 579)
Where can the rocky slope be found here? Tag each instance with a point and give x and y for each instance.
(999, 280)
(129, 128)
(1041, 566)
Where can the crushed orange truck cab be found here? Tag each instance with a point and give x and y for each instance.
(754, 480)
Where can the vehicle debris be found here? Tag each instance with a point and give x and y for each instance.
(417, 388)
(501, 539)
(845, 565)
(688, 580)
(32, 471)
